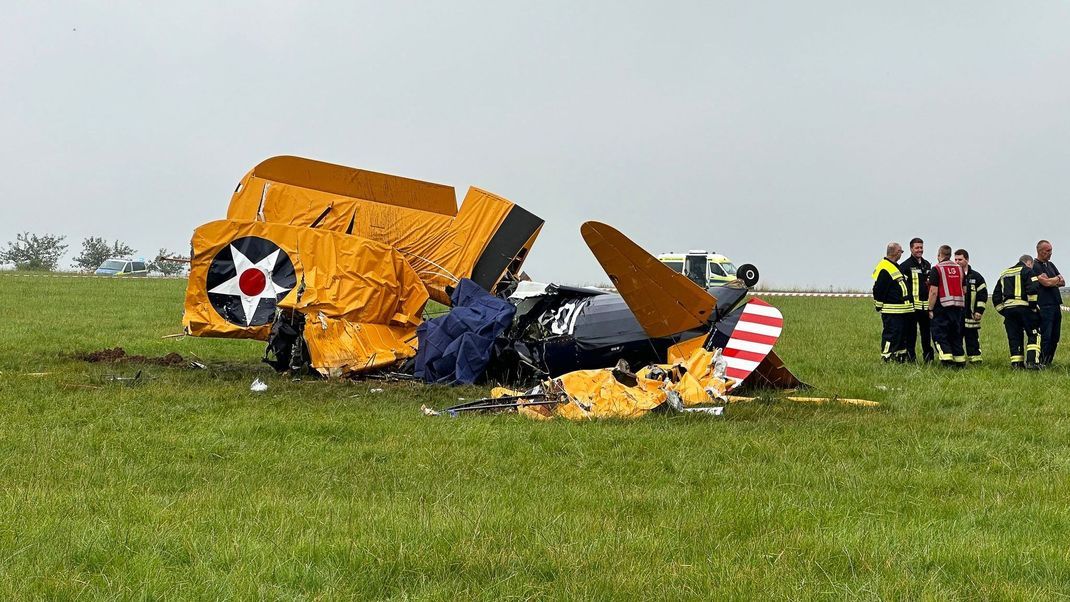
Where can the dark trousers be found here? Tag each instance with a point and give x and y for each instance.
(892, 336)
(918, 322)
(972, 337)
(1051, 319)
(1022, 323)
(947, 335)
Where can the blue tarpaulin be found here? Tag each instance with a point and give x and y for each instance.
(456, 348)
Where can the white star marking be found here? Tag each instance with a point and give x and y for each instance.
(242, 263)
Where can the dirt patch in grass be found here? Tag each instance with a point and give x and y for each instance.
(118, 354)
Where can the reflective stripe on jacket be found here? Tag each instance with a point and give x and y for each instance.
(976, 296)
(890, 294)
(916, 272)
(1017, 287)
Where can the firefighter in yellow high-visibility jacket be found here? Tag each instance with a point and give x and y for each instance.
(1015, 298)
(892, 301)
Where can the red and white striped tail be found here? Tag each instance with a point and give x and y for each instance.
(758, 329)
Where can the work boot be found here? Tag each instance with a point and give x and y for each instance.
(1032, 366)
(1017, 366)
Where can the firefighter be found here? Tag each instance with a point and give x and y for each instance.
(1049, 301)
(892, 301)
(946, 304)
(976, 297)
(916, 269)
(1015, 298)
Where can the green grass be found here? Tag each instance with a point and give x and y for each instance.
(190, 486)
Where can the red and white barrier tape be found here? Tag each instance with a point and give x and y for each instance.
(806, 294)
(39, 275)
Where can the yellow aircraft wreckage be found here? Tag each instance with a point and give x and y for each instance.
(345, 259)
(333, 267)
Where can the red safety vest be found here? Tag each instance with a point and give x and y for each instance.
(950, 290)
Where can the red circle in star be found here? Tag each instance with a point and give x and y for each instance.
(252, 282)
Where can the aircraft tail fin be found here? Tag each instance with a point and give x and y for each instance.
(664, 302)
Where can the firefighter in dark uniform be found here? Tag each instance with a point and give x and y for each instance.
(1015, 298)
(946, 304)
(916, 270)
(1049, 301)
(976, 292)
(892, 301)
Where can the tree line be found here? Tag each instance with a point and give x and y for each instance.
(32, 252)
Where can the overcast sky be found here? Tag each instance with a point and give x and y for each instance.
(799, 136)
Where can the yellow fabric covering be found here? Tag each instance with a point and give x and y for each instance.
(338, 347)
(598, 393)
(366, 294)
(341, 181)
(683, 350)
(419, 219)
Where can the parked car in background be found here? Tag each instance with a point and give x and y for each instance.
(123, 267)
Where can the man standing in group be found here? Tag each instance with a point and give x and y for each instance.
(946, 304)
(1049, 300)
(892, 302)
(976, 296)
(1015, 298)
(916, 270)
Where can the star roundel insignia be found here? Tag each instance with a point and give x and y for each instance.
(247, 278)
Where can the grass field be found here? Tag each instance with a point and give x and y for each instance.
(190, 486)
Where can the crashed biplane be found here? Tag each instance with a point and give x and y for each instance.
(333, 266)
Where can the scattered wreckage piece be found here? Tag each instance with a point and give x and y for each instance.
(129, 381)
(505, 402)
(865, 403)
(617, 393)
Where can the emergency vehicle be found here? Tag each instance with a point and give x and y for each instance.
(708, 269)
